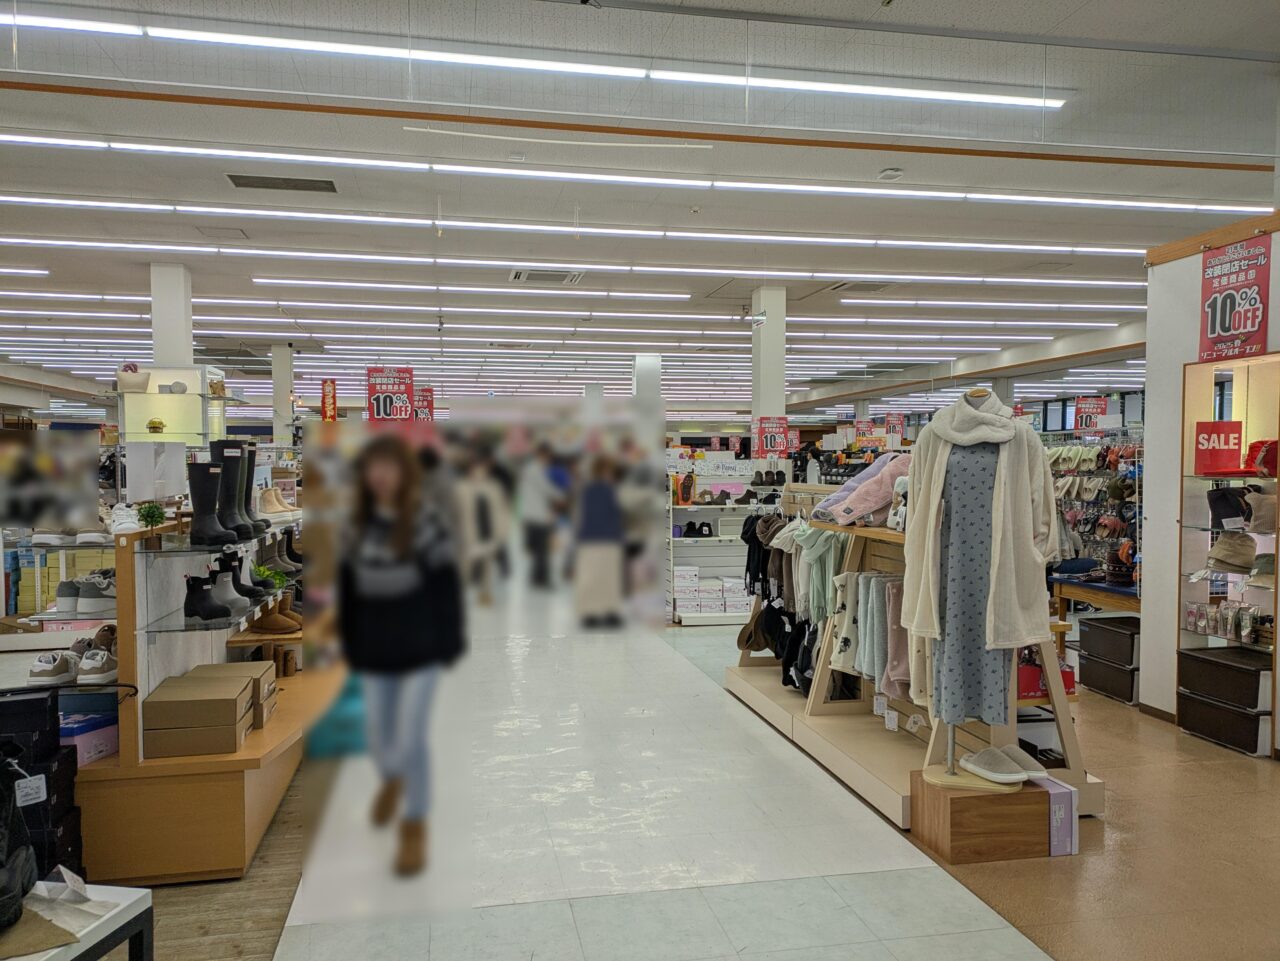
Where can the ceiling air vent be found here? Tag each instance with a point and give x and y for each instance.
(858, 287)
(248, 182)
(562, 278)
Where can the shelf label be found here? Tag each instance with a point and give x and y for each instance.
(879, 704)
(1235, 285)
(30, 790)
(914, 723)
(891, 720)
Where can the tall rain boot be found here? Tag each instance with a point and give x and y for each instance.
(260, 524)
(206, 531)
(231, 456)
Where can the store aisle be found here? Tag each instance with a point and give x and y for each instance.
(625, 807)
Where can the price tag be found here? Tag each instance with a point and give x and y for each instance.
(890, 720)
(1233, 523)
(74, 882)
(879, 705)
(30, 790)
(914, 723)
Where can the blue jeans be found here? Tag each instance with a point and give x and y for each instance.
(396, 708)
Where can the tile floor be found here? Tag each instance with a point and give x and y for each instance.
(625, 808)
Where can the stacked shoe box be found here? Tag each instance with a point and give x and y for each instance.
(685, 589)
(29, 725)
(711, 595)
(197, 714)
(27, 601)
(262, 674)
(736, 598)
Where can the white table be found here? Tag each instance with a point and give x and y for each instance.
(129, 921)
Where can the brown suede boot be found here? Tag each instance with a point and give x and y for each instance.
(385, 804)
(412, 856)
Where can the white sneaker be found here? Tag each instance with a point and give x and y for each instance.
(97, 667)
(97, 595)
(124, 519)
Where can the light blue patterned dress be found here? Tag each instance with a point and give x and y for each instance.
(969, 682)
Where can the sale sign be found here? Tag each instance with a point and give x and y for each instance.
(735, 442)
(1219, 444)
(895, 424)
(328, 400)
(424, 403)
(1235, 286)
(715, 443)
(1089, 413)
(768, 436)
(390, 393)
(793, 439)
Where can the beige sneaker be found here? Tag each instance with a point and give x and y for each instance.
(54, 668)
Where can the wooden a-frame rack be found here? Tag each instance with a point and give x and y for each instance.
(852, 742)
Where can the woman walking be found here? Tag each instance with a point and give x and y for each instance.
(401, 616)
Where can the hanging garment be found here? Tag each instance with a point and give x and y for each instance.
(748, 537)
(800, 574)
(844, 650)
(785, 541)
(896, 680)
(1023, 522)
(765, 529)
(970, 680)
(873, 646)
(819, 556)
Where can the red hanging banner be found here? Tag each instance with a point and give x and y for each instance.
(1088, 411)
(390, 393)
(715, 443)
(735, 442)
(328, 400)
(424, 403)
(793, 439)
(1235, 285)
(895, 424)
(768, 437)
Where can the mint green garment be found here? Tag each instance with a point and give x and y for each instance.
(821, 549)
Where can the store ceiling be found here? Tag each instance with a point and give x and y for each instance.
(487, 345)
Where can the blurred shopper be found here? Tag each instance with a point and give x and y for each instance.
(599, 548)
(486, 522)
(813, 466)
(400, 596)
(539, 500)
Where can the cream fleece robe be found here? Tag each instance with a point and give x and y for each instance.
(1024, 535)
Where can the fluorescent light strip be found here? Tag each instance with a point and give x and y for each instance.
(24, 271)
(998, 304)
(63, 23)
(575, 229)
(949, 322)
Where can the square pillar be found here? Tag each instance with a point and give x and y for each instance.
(171, 340)
(281, 395)
(769, 352)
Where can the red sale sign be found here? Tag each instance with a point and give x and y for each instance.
(735, 442)
(793, 439)
(390, 393)
(1219, 444)
(768, 436)
(715, 443)
(895, 424)
(328, 400)
(424, 403)
(1235, 285)
(1088, 412)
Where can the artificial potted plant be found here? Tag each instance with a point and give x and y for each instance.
(151, 516)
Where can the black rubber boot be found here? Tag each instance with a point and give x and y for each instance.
(199, 602)
(260, 524)
(231, 565)
(290, 551)
(203, 479)
(231, 457)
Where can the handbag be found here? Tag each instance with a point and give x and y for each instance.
(1261, 458)
(17, 856)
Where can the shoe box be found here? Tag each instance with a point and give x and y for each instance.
(1224, 695)
(59, 775)
(1109, 651)
(59, 844)
(197, 714)
(262, 674)
(93, 736)
(29, 720)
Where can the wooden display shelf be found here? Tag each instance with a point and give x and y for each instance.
(171, 820)
(248, 639)
(882, 534)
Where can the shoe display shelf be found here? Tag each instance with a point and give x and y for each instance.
(67, 557)
(855, 743)
(182, 819)
(1086, 511)
(1226, 691)
(723, 554)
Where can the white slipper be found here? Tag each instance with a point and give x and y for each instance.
(993, 765)
(1025, 761)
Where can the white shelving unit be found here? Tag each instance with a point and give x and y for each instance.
(723, 555)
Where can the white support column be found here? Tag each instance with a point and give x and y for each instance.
(281, 395)
(862, 409)
(769, 352)
(1002, 387)
(650, 408)
(171, 315)
(593, 406)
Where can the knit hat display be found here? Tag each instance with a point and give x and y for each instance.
(1263, 512)
(1228, 504)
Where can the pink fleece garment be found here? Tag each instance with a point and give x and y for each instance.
(876, 495)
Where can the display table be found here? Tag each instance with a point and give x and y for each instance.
(130, 921)
(1105, 597)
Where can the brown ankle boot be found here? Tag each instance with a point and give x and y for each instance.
(384, 805)
(412, 856)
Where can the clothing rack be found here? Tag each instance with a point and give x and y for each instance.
(854, 743)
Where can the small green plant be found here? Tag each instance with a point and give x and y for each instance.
(151, 514)
(279, 578)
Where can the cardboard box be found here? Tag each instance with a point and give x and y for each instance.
(1064, 829)
(196, 701)
(262, 711)
(185, 741)
(11, 625)
(261, 673)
